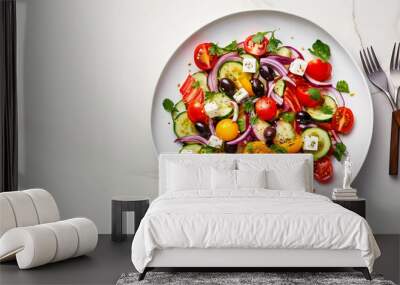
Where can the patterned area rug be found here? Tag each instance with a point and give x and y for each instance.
(243, 278)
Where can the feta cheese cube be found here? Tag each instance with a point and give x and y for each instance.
(310, 143)
(298, 66)
(215, 141)
(211, 109)
(249, 64)
(240, 95)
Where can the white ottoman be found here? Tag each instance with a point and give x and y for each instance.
(34, 243)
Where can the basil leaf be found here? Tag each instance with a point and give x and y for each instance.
(168, 105)
(340, 150)
(315, 94)
(342, 86)
(321, 50)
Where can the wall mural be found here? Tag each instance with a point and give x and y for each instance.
(265, 90)
(260, 96)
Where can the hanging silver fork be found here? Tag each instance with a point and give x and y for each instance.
(375, 73)
(395, 71)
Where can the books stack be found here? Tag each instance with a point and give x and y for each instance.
(344, 194)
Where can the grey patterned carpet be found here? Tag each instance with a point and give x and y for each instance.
(243, 278)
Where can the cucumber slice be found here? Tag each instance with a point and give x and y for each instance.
(284, 132)
(279, 87)
(324, 142)
(225, 108)
(232, 70)
(183, 126)
(245, 55)
(201, 77)
(283, 51)
(324, 112)
(207, 149)
(259, 128)
(191, 148)
(179, 108)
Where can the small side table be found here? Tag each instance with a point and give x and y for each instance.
(357, 206)
(121, 204)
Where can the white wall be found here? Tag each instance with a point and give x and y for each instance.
(87, 73)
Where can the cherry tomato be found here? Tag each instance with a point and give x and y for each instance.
(253, 48)
(227, 130)
(202, 57)
(292, 145)
(343, 120)
(196, 112)
(266, 108)
(306, 99)
(319, 70)
(257, 147)
(323, 170)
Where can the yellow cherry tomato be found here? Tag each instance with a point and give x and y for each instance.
(227, 130)
(257, 147)
(291, 145)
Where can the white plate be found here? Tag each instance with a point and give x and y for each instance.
(293, 30)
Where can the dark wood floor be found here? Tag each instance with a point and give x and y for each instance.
(110, 260)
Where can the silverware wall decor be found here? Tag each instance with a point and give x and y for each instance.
(379, 79)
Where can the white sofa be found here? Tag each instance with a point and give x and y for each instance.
(31, 231)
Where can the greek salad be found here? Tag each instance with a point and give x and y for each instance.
(260, 96)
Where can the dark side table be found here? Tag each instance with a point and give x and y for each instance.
(121, 204)
(357, 206)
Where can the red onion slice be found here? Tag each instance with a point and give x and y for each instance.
(278, 99)
(235, 111)
(242, 137)
(337, 96)
(296, 51)
(271, 85)
(281, 59)
(317, 83)
(197, 139)
(212, 77)
(306, 126)
(290, 80)
(211, 126)
(335, 136)
(276, 65)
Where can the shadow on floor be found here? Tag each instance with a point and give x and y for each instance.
(110, 260)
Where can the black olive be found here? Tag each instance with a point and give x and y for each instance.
(303, 117)
(227, 86)
(203, 130)
(230, 148)
(269, 134)
(258, 87)
(267, 73)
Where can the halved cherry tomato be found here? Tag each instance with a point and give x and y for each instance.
(343, 120)
(257, 147)
(227, 130)
(190, 92)
(253, 48)
(293, 145)
(319, 70)
(323, 170)
(302, 92)
(196, 112)
(291, 100)
(266, 108)
(202, 57)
